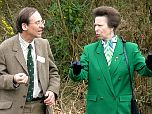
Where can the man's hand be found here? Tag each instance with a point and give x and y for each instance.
(76, 67)
(50, 98)
(20, 78)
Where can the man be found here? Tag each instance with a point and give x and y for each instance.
(103, 64)
(29, 79)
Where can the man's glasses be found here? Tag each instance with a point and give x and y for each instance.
(39, 22)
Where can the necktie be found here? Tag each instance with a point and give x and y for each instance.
(108, 51)
(30, 67)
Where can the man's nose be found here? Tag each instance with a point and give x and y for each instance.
(42, 25)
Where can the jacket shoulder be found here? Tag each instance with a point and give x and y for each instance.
(131, 45)
(8, 42)
(92, 45)
(41, 39)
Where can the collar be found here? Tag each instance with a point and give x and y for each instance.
(113, 40)
(25, 44)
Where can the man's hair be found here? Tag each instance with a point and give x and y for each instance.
(23, 17)
(112, 15)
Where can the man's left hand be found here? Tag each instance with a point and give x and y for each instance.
(50, 98)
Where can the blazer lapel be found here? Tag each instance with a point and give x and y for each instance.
(104, 67)
(117, 57)
(38, 50)
(19, 53)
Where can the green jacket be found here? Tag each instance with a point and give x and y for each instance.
(109, 88)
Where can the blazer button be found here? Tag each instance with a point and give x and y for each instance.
(21, 106)
(101, 98)
(119, 78)
(99, 78)
(24, 96)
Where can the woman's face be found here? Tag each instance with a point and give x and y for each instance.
(102, 29)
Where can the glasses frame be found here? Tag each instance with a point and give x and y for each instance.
(39, 22)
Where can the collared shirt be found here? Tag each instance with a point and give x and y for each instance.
(24, 46)
(114, 42)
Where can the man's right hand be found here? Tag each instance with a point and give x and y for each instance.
(76, 67)
(20, 78)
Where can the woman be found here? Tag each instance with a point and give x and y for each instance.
(103, 64)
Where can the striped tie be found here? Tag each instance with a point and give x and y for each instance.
(108, 51)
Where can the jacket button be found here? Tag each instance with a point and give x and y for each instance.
(21, 106)
(119, 78)
(101, 98)
(98, 78)
(24, 96)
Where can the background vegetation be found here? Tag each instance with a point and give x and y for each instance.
(69, 26)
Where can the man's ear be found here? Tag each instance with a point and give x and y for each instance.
(24, 26)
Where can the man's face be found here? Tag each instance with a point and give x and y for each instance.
(35, 27)
(102, 29)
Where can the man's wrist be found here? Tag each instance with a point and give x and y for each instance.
(15, 84)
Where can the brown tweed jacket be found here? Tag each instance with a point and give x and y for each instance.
(12, 100)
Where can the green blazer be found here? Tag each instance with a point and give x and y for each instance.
(109, 88)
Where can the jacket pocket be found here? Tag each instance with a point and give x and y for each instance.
(125, 98)
(92, 97)
(5, 104)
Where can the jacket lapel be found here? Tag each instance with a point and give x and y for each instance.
(38, 50)
(117, 57)
(19, 53)
(104, 67)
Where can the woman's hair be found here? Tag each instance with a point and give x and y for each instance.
(112, 15)
(23, 17)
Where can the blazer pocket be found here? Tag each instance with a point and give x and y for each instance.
(5, 104)
(92, 97)
(125, 98)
